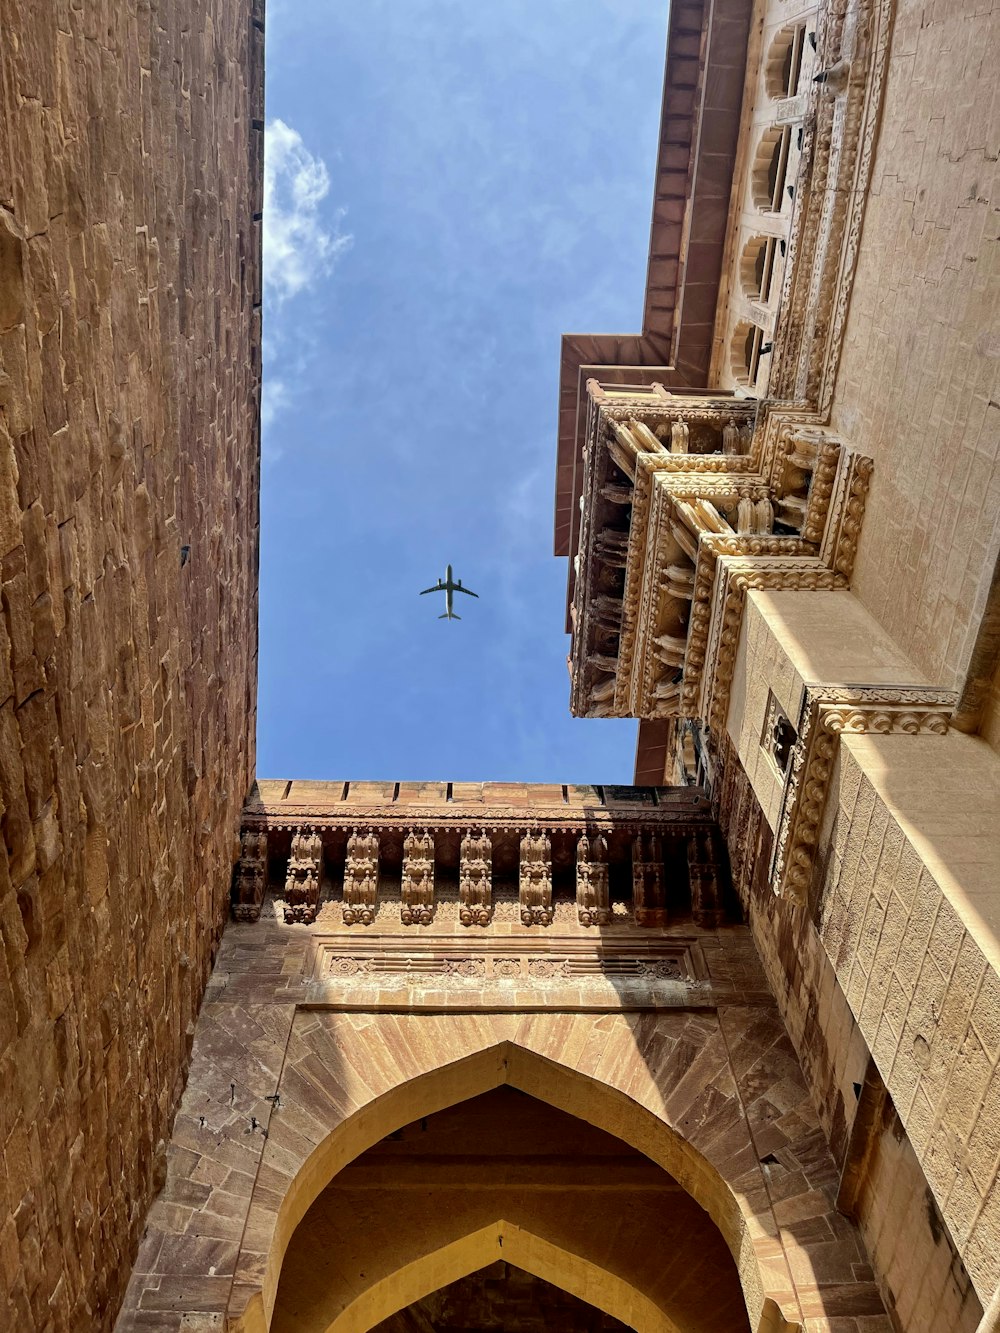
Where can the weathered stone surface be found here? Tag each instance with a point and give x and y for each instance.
(129, 378)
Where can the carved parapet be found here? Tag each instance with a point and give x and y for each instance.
(592, 894)
(361, 878)
(475, 880)
(648, 893)
(417, 889)
(536, 880)
(250, 879)
(302, 877)
(826, 713)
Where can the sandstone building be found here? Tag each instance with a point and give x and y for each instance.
(715, 1052)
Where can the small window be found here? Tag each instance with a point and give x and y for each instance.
(770, 167)
(784, 62)
(746, 351)
(757, 267)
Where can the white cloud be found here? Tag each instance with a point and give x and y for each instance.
(300, 245)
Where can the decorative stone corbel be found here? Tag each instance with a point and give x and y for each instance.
(703, 874)
(475, 880)
(302, 876)
(536, 880)
(417, 894)
(827, 712)
(648, 897)
(592, 895)
(361, 878)
(250, 881)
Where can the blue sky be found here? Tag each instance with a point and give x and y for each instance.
(452, 184)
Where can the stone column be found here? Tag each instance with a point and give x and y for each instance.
(593, 902)
(250, 882)
(648, 894)
(418, 880)
(536, 880)
(302, 877)
(361, 879)
(706, 899)
(475, 880)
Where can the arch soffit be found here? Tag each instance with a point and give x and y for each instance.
(505, 1061)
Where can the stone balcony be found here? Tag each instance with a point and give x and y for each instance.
(688, 500)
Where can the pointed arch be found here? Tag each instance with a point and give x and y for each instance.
(712, 1159)
(516, 1245)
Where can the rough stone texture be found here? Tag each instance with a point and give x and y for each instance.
(918, 378)
(129, 346)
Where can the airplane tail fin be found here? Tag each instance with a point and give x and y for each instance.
(446, 616)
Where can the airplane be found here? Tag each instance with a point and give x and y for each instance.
(448, 588)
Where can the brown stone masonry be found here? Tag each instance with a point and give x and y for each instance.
(130, 193)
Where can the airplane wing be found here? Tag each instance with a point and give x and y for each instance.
(458, 588)
(438, 587)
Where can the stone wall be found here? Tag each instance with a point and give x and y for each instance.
(917, 1263)
(130, 140)
(918, 374)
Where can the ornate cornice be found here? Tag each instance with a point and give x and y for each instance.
(571, 819)
(826, 713)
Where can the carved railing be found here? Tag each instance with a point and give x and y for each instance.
(318, 843)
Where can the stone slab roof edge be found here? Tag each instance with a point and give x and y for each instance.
(699, 125)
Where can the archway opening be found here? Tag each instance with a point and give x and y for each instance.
(500, 1298)
(504, 1177)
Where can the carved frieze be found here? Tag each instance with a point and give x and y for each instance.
(592, 892)
(535, 894)
(361, 878)
(475, 879)
(417, 884)
(302, 877)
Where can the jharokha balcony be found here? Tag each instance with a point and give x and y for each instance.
(686, 501)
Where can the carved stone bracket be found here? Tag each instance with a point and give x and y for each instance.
(250, 880)
(648, 890)
(592, 893)
(361, 878)
(417, 886)
(475, 880)
(302, 877)
(826, 713)
(536, 880)
(703, 872)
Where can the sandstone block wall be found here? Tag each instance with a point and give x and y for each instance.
(916, 1247)
(129, 346)
(917, 388)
